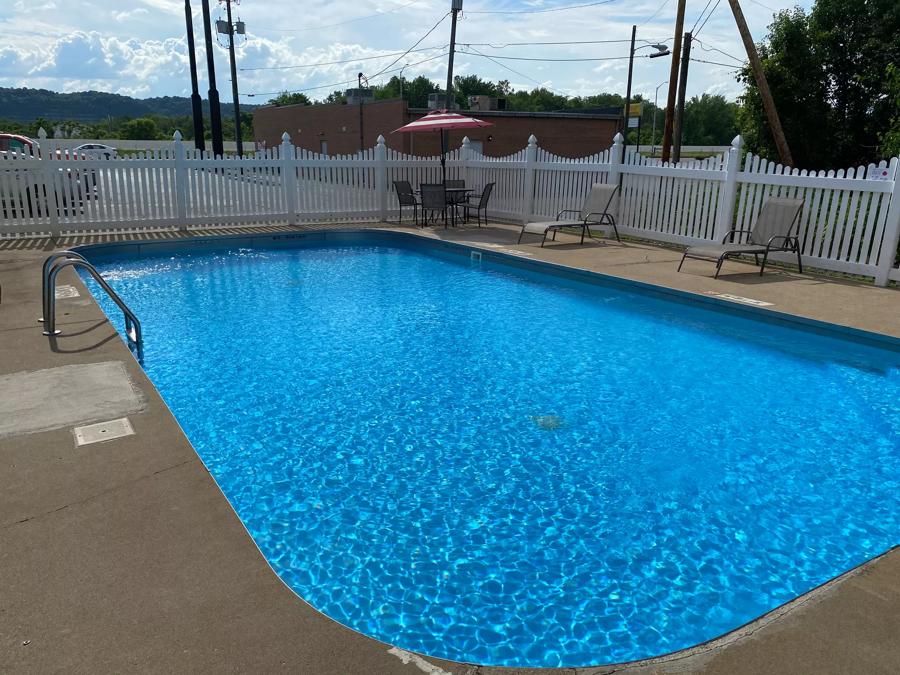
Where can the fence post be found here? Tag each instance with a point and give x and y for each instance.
(381, 184)
(288, 177)
(615, 160)
(465, 154)
(181, 180)
(530, 170)
(48, 165)
(725, 210)
(891, 232)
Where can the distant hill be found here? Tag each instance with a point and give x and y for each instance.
(26, 105)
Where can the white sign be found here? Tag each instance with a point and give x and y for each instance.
(634, 122)
(880, 174)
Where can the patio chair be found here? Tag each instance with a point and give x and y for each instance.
(406, 197)
(597, 211)
(776, 229)
(480, 205)
(434, 199)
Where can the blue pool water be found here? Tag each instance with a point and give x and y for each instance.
(492, 465)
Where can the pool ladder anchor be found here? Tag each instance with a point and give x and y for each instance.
(51, 268)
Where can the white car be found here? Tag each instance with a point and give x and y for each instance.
(97, 150)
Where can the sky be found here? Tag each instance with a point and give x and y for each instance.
(139, 48)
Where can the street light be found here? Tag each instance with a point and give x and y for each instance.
(661, 50)
(655, 111)
(401, 80)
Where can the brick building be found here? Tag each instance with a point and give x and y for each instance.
(334, 129)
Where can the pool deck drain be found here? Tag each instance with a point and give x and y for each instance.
(128, 558)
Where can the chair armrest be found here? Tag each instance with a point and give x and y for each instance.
(787, 240)
(596, 213)
(567, 211)
(734, 232)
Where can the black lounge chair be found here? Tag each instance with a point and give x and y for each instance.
(776, 229)
(597, 211)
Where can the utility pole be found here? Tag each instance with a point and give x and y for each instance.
(455, 7)
(196, 101)
(234, 84)
(359, 91)
(215, 114)
(673, 82)
(784, 152)
(682, 85)
(628, 88)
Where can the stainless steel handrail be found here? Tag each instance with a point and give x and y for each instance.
(45, 274)
(132, 325)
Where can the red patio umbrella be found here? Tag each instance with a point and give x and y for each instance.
(441, 120)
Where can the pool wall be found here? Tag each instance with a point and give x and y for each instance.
(494, 256)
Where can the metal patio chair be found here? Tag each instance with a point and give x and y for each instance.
(434, 200)
(480, 205)
(406, 197)
(776, 229)
(597, 211)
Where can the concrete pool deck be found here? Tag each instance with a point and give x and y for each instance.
(124, 556)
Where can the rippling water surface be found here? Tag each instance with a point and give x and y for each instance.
(498, 467)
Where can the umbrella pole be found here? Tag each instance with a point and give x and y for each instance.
(444, 170)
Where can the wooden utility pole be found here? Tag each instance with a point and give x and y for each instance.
(679, 109)
(784, 152)
(673, 82)
(234, 82)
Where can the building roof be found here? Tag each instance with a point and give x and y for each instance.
(597, 114)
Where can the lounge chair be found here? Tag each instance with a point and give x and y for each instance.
(480, 205)
(776, 229)
(406, 197)
(597, 211)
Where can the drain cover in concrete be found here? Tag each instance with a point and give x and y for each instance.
(54, 398)
(65, 291)
(103, 431)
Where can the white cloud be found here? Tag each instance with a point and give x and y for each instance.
(141, 49)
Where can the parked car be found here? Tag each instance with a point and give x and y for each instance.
(97, 150)
(20, 199)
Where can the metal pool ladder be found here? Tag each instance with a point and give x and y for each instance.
(56, 262)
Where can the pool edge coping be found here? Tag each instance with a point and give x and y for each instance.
(711, 645)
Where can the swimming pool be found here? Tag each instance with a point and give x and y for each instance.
(487, 463)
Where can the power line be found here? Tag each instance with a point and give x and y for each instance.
(716, 63)
(710, 48)
(338, 84)
(542, 11)
(756, 2)
(515, 72)
(504, 45)
(708, 2)
(653, 16)
(528, 58)
(332, 63)
(430, 31)
(339, 23)
(707, 18)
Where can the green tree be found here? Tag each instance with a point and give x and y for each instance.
(827, 71)
(709, 120)
(890, 140)
(335, 97)
(286, 98)
(141, 129)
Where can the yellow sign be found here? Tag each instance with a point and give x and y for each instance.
(635, 109)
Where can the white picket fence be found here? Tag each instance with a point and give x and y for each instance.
(850, 221)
